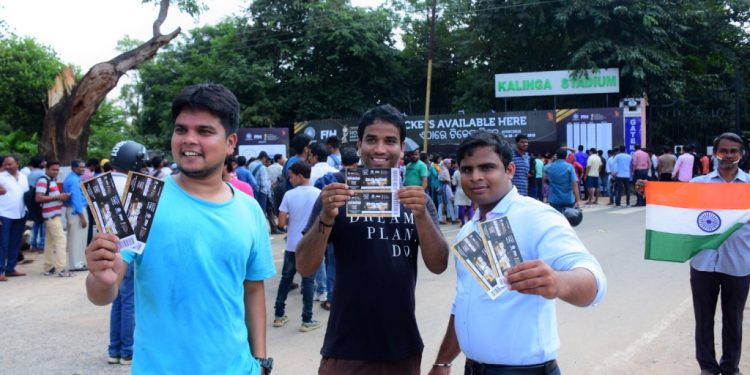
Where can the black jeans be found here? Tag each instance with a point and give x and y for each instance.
(640, 174)
(706, 287)
(623, 185)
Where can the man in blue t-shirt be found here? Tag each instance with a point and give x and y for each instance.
(562, 181)
(200, 301)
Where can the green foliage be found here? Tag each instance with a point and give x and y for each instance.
(19, 143)
(108, 126)
(28, 69)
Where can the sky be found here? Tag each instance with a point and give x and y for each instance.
(85, 32)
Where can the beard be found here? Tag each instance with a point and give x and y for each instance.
(201, 173)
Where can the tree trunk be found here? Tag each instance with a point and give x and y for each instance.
(66, 127)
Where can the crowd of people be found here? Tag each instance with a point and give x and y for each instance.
(199, 281)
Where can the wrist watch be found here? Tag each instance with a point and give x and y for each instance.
(266, 363)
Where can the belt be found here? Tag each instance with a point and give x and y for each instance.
(488, 369)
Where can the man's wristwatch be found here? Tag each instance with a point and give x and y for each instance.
(266, 364)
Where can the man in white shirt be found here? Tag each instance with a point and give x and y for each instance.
(317, 158)
(333, 146)
(13, 184)
(296, 206)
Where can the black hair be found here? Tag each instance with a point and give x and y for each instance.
(319, 149)
(728, 136)
(14, 156)
(75, 163)
(333, 141)
(228, 163)
(156, 162)
(107, 167)
(349, 156)
(262, 155)
(622, 148)
(241, 161)
(424, 157)
(299, 142)
(50, 163)
(213, 98)
(561, 153)
(580, 147)
(385, 113)
(301, 168)
(277, 157)
(520, 137)
(483, 138)
(36, 161)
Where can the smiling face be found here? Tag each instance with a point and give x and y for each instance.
(381, 146)
(484, 178)
(200, 144)
(10, 165)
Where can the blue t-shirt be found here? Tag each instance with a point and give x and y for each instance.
(560, 176)
(189, 292)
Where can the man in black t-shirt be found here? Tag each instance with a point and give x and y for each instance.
(372, 328)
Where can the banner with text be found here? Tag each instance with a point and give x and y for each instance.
(251, 141)
(557, 82)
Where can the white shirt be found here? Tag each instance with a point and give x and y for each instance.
(298, 203)
(11, 203)
(320, 169)
(274, 171)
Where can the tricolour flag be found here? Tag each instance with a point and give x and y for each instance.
(684, 218)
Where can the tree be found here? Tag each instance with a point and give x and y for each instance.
(66, 126)
(28, 69)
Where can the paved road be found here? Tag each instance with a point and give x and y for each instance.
(644, 324)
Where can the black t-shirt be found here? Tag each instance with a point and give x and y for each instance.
(372, 313)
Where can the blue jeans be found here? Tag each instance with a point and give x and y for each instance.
(11, 233)
(262, 199)
(287, 274)
(330, 271)
(122, 318)
(37, 235)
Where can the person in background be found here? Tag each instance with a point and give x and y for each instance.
(75, 216)
(13, 184)
(683, 168)
(38, 165)
(49, 194)
(521, 161)
(464, 205)
(229, 176)
(333, 147)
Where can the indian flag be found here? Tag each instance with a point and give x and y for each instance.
(684, 218)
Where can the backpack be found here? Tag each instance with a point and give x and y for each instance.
(34, 207)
